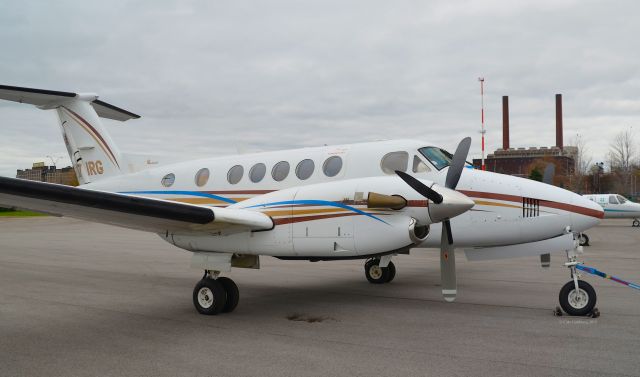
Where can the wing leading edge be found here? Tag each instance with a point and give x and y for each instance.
(127, 211)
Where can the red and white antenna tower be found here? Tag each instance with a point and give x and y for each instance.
(482, 130)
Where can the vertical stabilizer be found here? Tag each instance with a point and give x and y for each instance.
(93, 153)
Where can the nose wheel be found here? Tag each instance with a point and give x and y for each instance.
(379, 275)
(213, 295)
(577, 302)
(636, 223)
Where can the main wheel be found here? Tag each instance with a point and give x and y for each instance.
(636, 223)
(392, 272)
(233, 294)
(583, 239)
(580, 302)
(209, 297)
(374, 273)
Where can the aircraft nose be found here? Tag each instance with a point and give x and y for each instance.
(587, 213)
(453, 204)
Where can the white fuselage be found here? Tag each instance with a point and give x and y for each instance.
(616, 206)
(323, 216)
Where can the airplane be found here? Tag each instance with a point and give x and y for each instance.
(371, 201)
(617, 207)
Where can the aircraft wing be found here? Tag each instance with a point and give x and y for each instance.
(153, 215)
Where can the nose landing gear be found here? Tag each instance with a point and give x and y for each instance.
(577, 297)
(636, 223)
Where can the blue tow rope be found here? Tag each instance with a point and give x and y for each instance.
(593, 271)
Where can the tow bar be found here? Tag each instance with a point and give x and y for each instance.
(603, 275)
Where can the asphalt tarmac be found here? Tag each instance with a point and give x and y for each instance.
(81, 299)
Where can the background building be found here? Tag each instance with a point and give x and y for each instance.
(42, 173)
(522, 161)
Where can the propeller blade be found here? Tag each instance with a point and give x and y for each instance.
(447, 265)
(420, 187)
(457, 163)
(549, 172)
(447, 227)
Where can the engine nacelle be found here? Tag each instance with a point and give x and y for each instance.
(418, 233)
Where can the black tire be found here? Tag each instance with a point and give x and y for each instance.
(209, 297)
(374, 273)
(392, 272)
(636, 223)
(582, 308)
(233, 294)
(583, 239)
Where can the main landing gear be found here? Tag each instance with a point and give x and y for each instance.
(636, 223)
(213, 295)
(577, 297)
(379, 275)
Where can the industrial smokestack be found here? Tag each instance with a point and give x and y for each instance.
(559, 121)
(505, 122)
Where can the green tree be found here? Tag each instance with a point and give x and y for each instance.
(535, 175)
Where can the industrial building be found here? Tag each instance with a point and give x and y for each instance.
(42, 173)
(522, 161)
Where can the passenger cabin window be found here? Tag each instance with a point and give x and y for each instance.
(305, 169)
(332, 166)
(280, 171)
(621, 199)
(612, 199)
(419, 166)
(438, 157)
(202, 177)
(257, 172)
(167, 180)
(235, 174)
(394, 161)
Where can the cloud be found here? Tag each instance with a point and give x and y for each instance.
(210, 76)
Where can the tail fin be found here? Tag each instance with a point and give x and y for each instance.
(93, 153)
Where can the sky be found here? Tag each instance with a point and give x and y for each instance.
(212, 78)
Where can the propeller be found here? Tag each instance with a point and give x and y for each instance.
(455, 203)
(549, 172)
(447, 252)
(547, 177)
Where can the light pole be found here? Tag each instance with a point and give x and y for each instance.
(482, 130)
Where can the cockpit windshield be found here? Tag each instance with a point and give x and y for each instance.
(438, 157)
(621, 199)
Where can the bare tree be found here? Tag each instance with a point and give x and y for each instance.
(623, 157)
(582, 158)
(582, 161)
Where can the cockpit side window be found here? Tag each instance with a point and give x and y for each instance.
(621, 199)
(612, 199)
(438, 157)
(394, 161)
(419, 166)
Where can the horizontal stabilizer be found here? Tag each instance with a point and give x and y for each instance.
(49, 99)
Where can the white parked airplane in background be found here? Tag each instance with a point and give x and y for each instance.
(368, 201)
(617, 207)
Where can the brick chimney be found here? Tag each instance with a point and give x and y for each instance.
(505, 122)
(559, 121)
